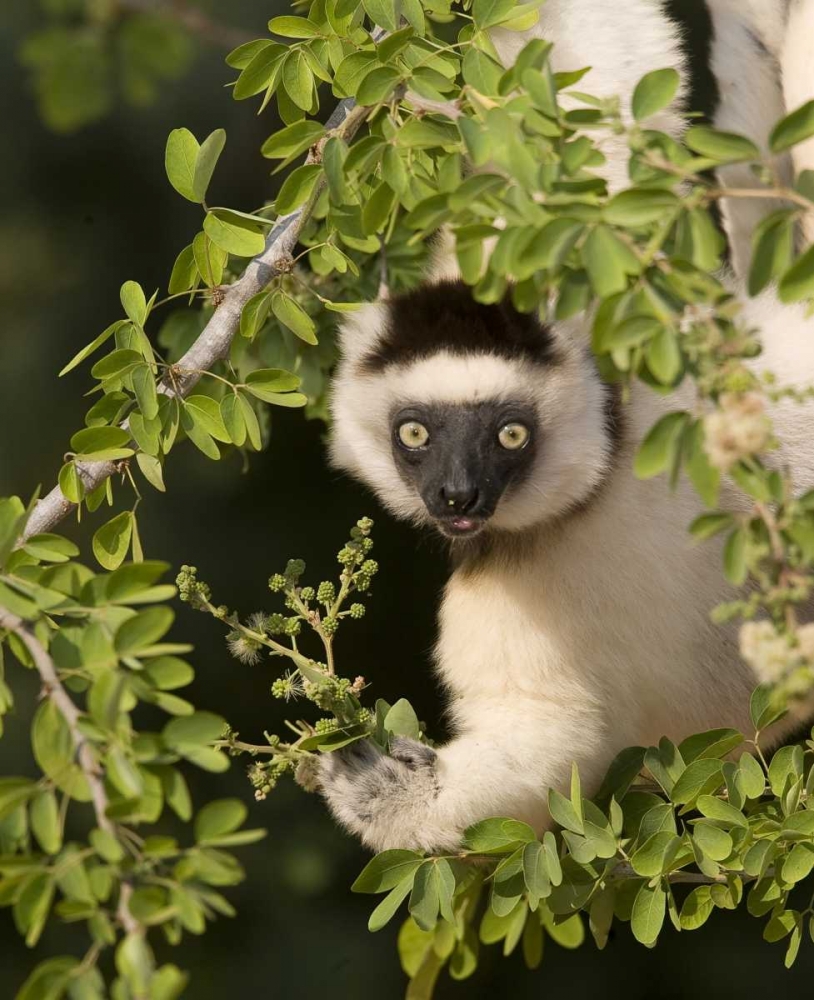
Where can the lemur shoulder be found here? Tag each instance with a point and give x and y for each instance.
(576, 621)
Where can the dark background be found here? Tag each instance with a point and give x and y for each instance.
(79, 215)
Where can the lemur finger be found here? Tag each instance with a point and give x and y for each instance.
(412, 753)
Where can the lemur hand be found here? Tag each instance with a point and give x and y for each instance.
(388, 800)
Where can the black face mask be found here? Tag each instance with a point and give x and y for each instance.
(462, 458)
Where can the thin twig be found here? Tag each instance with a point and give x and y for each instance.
(85, 754)
(193, 19)
(215, 340)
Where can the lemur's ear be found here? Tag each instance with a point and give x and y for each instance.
(360, 331)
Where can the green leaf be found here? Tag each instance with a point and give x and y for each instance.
(298, 79)
(144, 389)
(722, 146)
(143, 630)
(798, 863)
(389, 906)
(152, 471)
(497, 836)
(696, 909)
(210, 259)
(180, 159)
(54, 751)
(32, 907)
(112, 540)
(535, 870)
(294, 27)
(219, 818)
(714, 842)
(292, 140)
(663, 356)
(292, 315)
(607, 261)
(99, 444)
(94, 345)
(234, 233)
(654, 92)
(718, 809)
(487, 13)
(752, 778)
(193, 731)
(700, 777)
(134, 302)
(265, 383)
(648, 860)
(378, 85)
(715, 743)
(657, 451)
(254, 315)
(763, 707)
(735, 565)
(14, 792)
(647, 917)
(639, 207)
(798, 282)
(207, 160)
(45, 822)
(232, 416)
(794, 128)
(401, 720)
(383, 13)
(204, 411)
(387, 870)
(51, 548)
(773, 250)
(116, 364)
(297, 188)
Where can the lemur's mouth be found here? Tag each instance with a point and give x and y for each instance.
(460, 526)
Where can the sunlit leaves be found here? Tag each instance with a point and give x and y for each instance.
(190, 164)
(793, 129)
(234, 233)
(725, 147)
(654, 92)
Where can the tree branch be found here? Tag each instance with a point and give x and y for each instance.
(85, 754)
(191, 18)
(216, 338)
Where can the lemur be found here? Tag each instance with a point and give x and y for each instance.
(576, 621)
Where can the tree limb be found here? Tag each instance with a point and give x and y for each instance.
(191, 18)
(215, 339)
(85, 754)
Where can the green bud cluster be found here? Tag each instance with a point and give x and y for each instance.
(307, 594)
(191, 590)
(330, 625)
(275, 624)
(357, 610)
(326, 593)
(276, 583)
(326, 725)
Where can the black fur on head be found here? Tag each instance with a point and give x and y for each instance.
(445, 317)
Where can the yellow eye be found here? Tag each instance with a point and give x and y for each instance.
(513, 436)
(413, 434)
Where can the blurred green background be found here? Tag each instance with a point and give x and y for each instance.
(80, 214)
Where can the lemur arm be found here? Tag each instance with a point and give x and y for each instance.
(424, 799)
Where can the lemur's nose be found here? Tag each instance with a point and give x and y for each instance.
(460, 499)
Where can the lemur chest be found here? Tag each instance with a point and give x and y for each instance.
(614, 609)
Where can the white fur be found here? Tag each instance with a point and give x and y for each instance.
(595, 634)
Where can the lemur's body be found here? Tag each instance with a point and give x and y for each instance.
(577, 620)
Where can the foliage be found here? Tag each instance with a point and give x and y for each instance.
(101, 637)
(431, 131)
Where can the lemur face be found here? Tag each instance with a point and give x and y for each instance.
(461, 458)
(468, 417)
